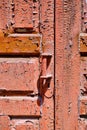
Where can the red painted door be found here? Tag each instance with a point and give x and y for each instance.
(26, 66)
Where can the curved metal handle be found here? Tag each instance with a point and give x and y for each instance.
(45, 57)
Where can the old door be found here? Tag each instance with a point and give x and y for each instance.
(83, 69)
(26, 65)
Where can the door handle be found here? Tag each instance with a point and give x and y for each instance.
(44, 75)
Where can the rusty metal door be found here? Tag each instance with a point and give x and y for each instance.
(26, 68)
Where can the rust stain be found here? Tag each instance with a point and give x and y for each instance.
(19, 45)
(83, 43)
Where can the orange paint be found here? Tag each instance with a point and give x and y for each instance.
(19, 44)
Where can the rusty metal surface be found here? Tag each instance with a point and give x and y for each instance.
(20, 44)
(83, 43)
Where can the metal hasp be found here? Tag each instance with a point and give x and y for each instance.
(83, 43)
(45, 57)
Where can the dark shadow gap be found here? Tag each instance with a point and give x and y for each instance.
(19, 55)
(83, 116)
(83, 54)
(16, 93)
(25, 117)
